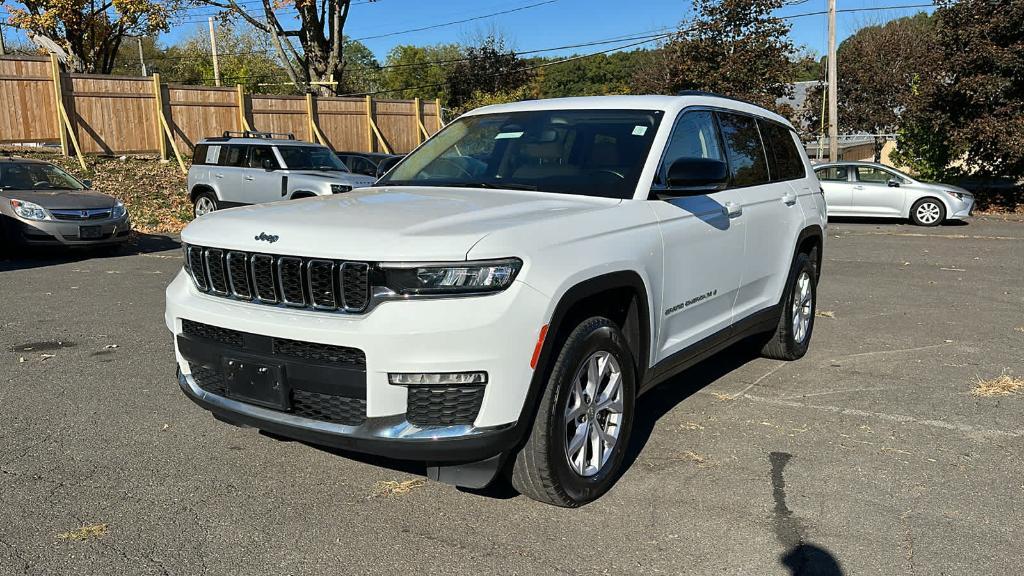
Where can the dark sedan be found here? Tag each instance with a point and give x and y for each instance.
(369, 163)
(42, 205)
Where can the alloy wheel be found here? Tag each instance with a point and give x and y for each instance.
(204, 206)
(594, 414)
(803, 307)
(928, 212)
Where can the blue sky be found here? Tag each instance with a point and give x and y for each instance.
(560, 22)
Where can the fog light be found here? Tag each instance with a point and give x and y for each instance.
(437, 378)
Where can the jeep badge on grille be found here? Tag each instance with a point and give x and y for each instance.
(267, 237)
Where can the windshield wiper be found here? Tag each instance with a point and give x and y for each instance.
(500, 185)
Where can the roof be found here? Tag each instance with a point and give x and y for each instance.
(22, 160)
(669, 104)
(852, 162)
(263, 141)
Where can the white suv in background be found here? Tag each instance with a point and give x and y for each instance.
(241, 168)
(498, 301)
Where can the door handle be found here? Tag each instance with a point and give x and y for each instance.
(789, 198)
(249, 178)
(858, 187)
(218, 175)
(733, 209)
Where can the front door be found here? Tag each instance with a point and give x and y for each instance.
(262, 185)
(873, 194)
(837, 182)
(703, 240)
(228, 175)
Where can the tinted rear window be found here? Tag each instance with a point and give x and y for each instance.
(743, 146)
(786, 163)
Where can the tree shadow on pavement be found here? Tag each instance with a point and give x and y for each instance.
(810, 560)
(140, 243)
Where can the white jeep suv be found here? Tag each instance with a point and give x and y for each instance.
(242, 168)
(499, 300)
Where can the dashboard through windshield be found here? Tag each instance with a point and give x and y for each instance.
(585, 152)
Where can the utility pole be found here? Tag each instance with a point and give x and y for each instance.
(833, 89)
(142, 60)
(213, 50)
(3, 49)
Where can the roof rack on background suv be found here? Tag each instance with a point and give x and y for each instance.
(255, 134)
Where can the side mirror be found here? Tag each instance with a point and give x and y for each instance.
(695, 176)
(269, 165)
(87, 184)
(894, 183)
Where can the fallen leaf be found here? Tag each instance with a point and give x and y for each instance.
(47, 356)
(110, 346)
(84, 532)
(393, 488)
(825, 314)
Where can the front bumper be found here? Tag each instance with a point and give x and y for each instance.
(961, 208)
(68, 233)
(392, 437)
(495, 333)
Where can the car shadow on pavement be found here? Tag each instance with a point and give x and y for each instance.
(140, 243)
(892, 222)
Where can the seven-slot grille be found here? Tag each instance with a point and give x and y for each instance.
(267, 279)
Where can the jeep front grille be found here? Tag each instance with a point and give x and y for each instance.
(289, 280)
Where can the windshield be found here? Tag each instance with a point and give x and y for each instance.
(311, 158)
(36, 176)
(586, 152)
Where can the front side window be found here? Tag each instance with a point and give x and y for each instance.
(36, 176)
(873, 175)
(584, 152)
(311, 158)
(747, 160)
(694, 136)
(833, 174)
(785, 161)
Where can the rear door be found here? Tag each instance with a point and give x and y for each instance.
(262, 185)
(228, 175)
(837, 182)
(703, 243)
(873, 194)
(771, 202)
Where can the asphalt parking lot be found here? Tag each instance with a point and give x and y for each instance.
(869, 456)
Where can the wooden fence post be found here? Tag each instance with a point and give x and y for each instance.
(58, 102)
(418, 128)
(243, 121)
(314, 130)
(440, 117)
(158, 99)
(369, 124)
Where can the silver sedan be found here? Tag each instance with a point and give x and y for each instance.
(876, 190)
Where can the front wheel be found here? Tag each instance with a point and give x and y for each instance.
(927, 212)
(581, 432)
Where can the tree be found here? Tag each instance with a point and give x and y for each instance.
(320, 33)
(972, 108)
(878, 68)
(731, 47)
(598, 75)
(489, 68)
(361, 71)
(91, 31)
(419, 71)
(247, 58)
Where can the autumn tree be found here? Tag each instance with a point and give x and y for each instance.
(731, 47)
(879, 68)
(90, 32)
(490, 67)
(971, 110)
(247, 58)
(319, 31)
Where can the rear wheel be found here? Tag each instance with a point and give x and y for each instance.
(927, 212)
(581, 432)
(793, 333)
(204, 203)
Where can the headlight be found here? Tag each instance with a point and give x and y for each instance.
(438, 279)
(29, 210)
(340, 188)
(957, 195)
(119, 210)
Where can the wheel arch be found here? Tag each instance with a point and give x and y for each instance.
(301, 194)
(199, 189)
(811, 237)
(929, 195)
(625, 295)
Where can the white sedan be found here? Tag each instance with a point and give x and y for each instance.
(879, 191)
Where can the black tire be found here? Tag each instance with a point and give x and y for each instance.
(204, 196)
(541, 469)
(926, 216)
(784, 343)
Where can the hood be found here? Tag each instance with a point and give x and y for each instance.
(62, 199)
(383, 224)
(938, 187)
(337, 177)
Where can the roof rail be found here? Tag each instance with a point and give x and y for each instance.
(255, 134)
(713, 95)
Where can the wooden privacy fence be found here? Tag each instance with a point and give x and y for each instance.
(96, 114)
